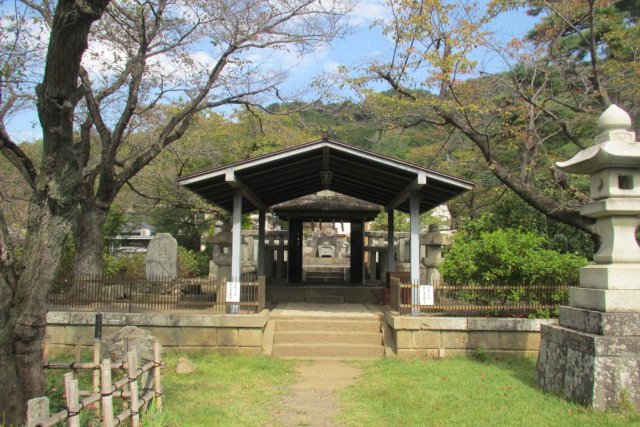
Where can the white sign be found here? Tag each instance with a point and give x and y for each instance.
(233, 291)
(426, 295)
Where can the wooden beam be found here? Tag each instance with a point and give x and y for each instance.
(415, 185)
(235, 182)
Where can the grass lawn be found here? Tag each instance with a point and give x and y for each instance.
(462, 392)
(246, 390)
(225, 390)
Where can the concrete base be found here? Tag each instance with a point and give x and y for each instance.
(607, 300)
(599, 371)
(436, 337)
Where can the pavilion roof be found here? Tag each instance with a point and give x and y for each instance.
(325, 164)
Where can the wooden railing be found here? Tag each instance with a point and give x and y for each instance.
(99, 400)
(478, 300)
(122, 293)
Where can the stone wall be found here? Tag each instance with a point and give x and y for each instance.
(449, 336)
(233, 334)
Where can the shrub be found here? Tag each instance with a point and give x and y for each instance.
(508, 256)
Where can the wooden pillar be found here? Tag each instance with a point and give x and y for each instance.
(294, 259)
(357, 252)
(261, 234)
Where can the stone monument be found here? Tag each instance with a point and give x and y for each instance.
(593, 355)
(162, 258)
(434, 240)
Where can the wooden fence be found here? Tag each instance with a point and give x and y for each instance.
(477, 300)
(104, 390)
(124, 293)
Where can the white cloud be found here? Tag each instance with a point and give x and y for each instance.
(366, 11)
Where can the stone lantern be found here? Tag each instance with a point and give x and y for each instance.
(593, 356)
(221, 251)
(434, 241)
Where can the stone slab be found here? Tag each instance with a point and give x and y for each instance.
(228, 337)
(487, 340)
(403, 339)
(152, 319)
(397, 321)
(258, 320)
(58, 317)
(426, 339)
(609, 300)
(82, 318)
(507, 324)
(590, 369)
(168, 337)
(594, 345)
(519, 341)
(610, 276)
(444, 323)
(250, 337)
(199, 337)
(600, 323)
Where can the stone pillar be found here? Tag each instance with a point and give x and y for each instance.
(236, 236)
(414, 208)
(593, 356)
(434, 240)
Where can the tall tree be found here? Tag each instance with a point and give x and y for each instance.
(141, 59)
(520, 121)
(57, 189)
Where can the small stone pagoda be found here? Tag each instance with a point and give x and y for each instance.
(593, 356)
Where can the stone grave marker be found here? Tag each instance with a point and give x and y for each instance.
(162, 258)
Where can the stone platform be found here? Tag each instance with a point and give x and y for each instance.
(592, 357)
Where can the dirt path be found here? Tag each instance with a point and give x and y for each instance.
(312, 399)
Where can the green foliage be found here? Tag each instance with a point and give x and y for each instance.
(402, 222)
(508, 256)
(190, 263)
(133, 264)
(113, 224)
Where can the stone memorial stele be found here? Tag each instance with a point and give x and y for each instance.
(593, 355)
(162, 258)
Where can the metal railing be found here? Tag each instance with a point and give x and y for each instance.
(131, 294)
(478, 300)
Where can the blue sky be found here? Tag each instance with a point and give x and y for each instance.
(362, 43)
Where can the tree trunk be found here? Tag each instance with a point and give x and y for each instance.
(11, 404)
(52, 210)
(23, 316)
(88, 239)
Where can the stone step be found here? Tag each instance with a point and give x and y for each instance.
(325, 299)
(323, 351)
(314, 337)
(351, 325)
(316, 275)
